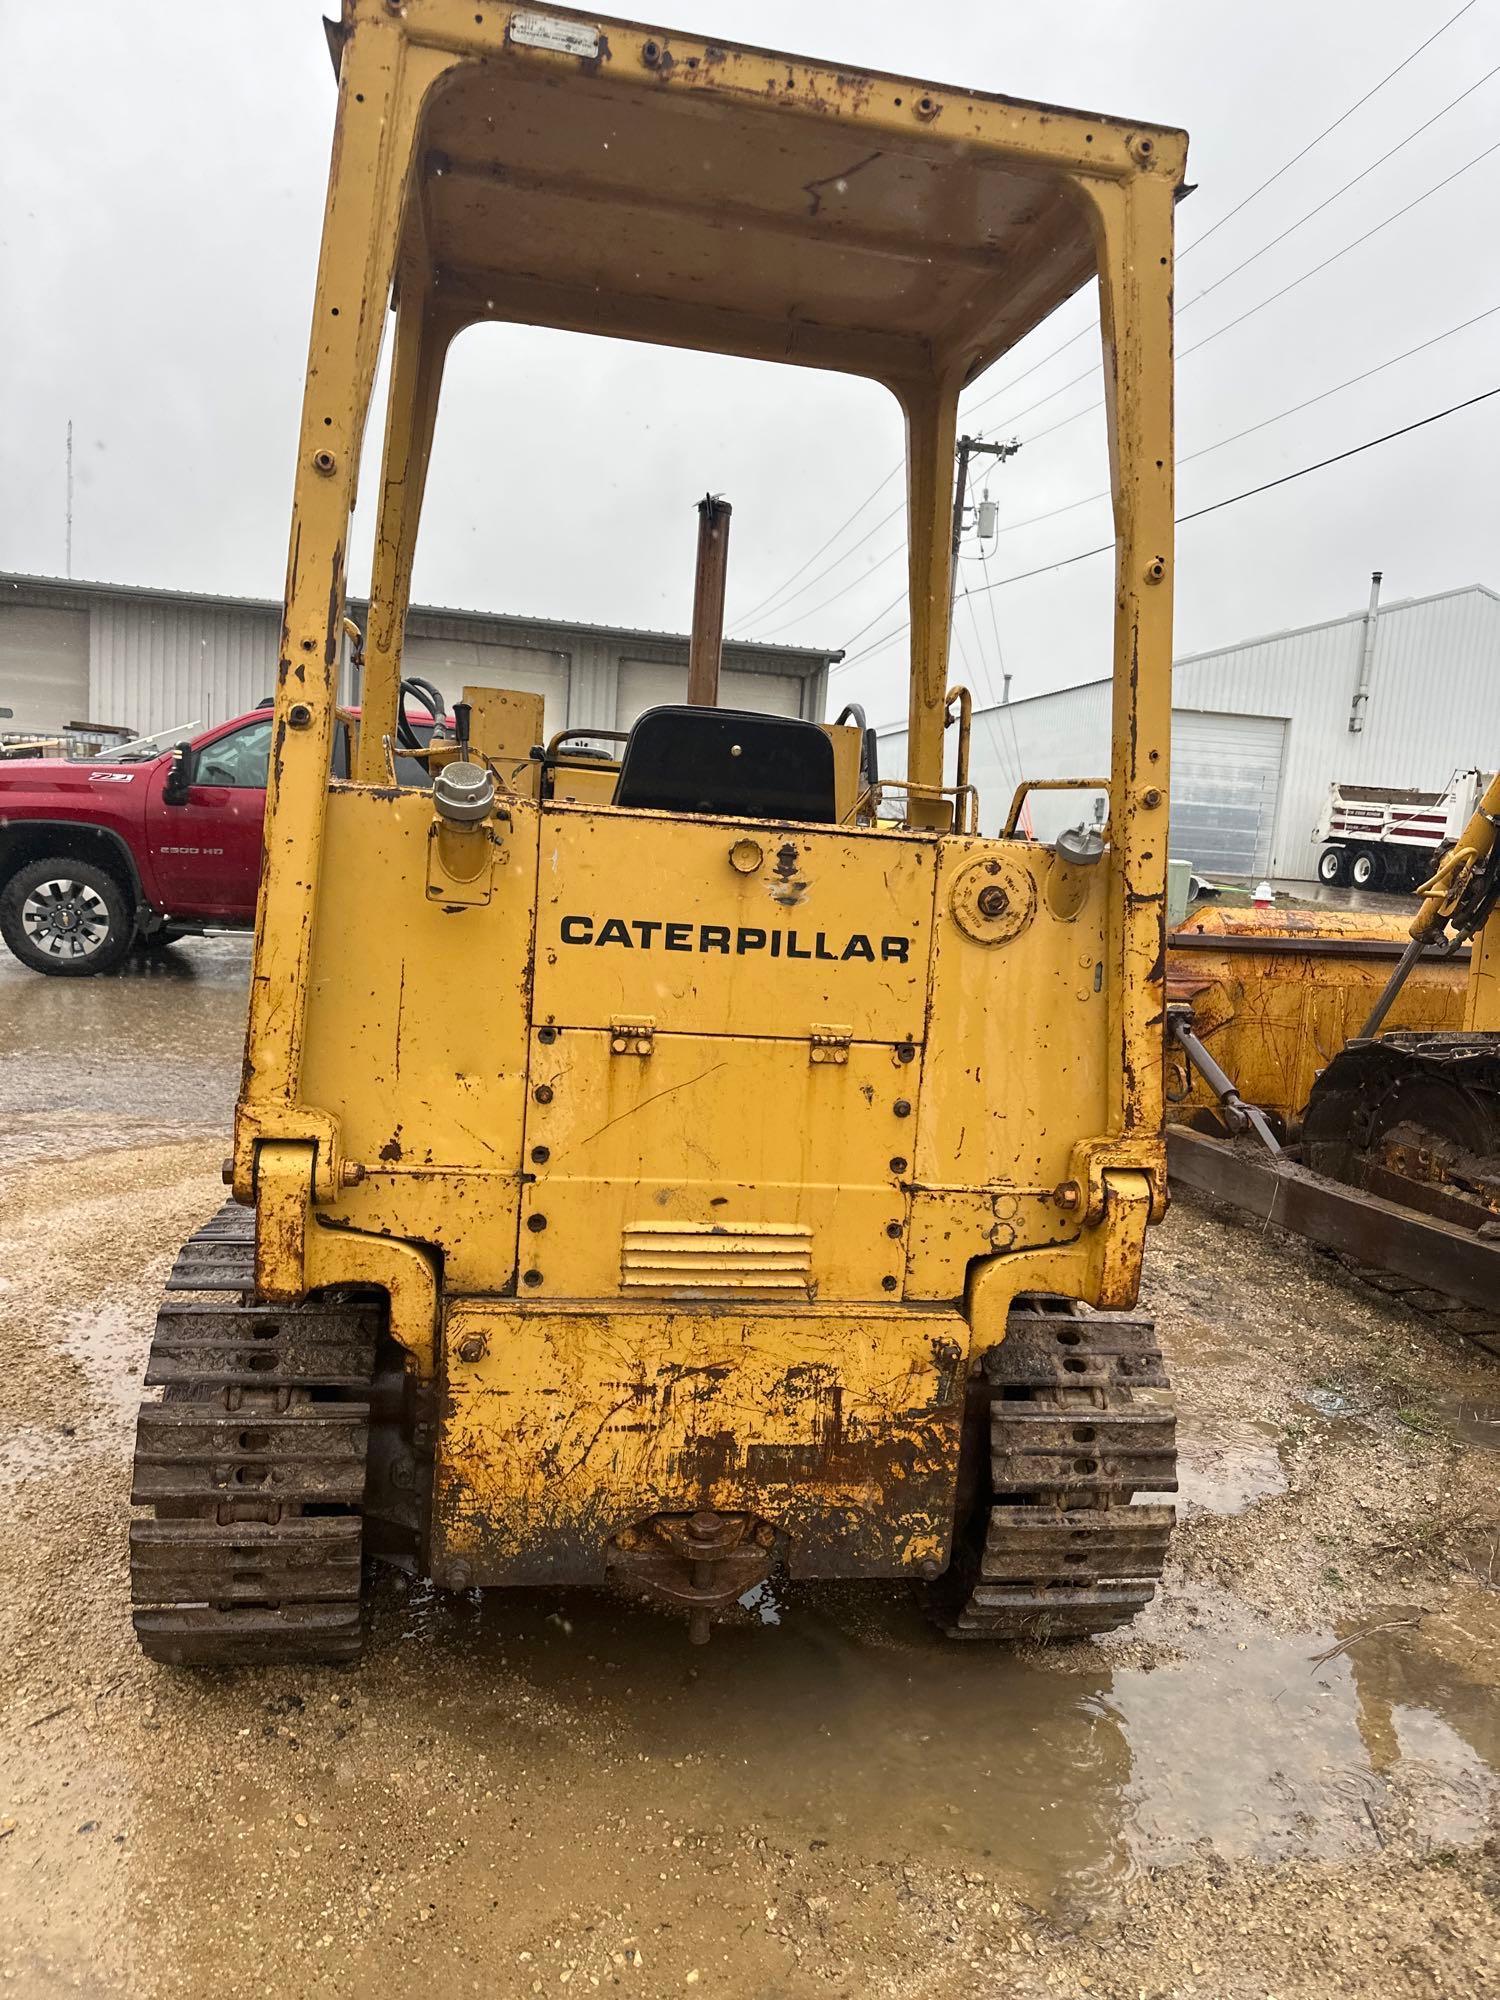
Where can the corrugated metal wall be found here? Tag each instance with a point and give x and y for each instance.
(1062, 735)
(1434, 708)
(1434, 703)
(161, 662)
(155, 663)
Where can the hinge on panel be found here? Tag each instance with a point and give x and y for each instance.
(828, 1043)
(632, 1035)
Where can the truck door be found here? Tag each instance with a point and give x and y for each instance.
(206, 853)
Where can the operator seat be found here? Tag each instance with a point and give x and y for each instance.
(728, 760)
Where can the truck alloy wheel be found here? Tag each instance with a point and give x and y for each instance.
(64, 916)
(1366, 871)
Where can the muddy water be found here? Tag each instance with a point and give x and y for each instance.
(146, 1053)
(558, 1781)
(1473, 1419)
(829, 1799)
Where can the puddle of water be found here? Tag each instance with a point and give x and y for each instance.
(1473, 1420)
(1259, 1748)
(849, 1723)
(1226, 1463)
(108, 1348)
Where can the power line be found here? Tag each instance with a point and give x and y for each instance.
(1327, 201)
(1090, 373)
(1073, 339)
(1271, 179)
(1343, 116)
(1266, 486)
(1033, 520)
(1290, 229)
(899, 508)
(1260, 305)
(826, 545)
(1349, 382)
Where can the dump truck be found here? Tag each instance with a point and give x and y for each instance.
(1386, 837)
(709, 1160)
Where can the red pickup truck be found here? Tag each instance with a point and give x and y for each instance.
(95, 858)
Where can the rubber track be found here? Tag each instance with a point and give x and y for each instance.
(253, 1462)
(1060, 1551)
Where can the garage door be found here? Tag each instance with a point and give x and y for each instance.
(647, 684)
(44, 668)
(453, 664)
(1226, 774)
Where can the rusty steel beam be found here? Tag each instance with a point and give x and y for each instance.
(1383, 1235)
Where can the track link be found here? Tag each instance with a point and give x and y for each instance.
(1055, 1547)
(253, 1462)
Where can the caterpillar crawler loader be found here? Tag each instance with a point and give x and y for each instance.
(663, 1171)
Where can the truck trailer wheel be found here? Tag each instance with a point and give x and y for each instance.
(1333, 867)
(1367, 870)
(66, 917)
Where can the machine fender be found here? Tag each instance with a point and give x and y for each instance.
(1102, 1268)
(297, 1252)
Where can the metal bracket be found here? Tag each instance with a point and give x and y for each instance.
(461, 864)
(632, 1035)
(829, 1043)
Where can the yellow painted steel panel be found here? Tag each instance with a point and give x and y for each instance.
(1022, 1024)
(840, 1430)
(416, 1025)
(646, 914)
(716, 1165)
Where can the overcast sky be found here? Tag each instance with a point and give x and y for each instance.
(163, 178)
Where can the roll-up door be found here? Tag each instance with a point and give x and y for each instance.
(1226, 775)
(647, 684)
(44, 669)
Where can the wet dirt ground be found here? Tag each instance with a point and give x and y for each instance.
(1283, 1781)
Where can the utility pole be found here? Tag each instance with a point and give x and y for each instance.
(969, 448)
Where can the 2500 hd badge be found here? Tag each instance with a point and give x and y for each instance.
(734, 942)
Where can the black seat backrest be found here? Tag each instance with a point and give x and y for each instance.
(726, 760)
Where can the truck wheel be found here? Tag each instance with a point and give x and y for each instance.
(1366, 870)
(66, 917)
(1333, 867)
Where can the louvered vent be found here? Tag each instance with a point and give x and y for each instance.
(713, 1257)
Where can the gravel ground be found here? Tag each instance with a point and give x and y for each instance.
(1282, 1782)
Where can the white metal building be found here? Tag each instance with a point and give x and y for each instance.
(1260, 730)
(157, 659)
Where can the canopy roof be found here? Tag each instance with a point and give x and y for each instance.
(707, 195)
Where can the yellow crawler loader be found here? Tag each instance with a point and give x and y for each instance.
(670, 1168)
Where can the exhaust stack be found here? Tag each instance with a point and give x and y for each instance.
(708, 601)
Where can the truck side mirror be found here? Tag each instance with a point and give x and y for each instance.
(180, 778)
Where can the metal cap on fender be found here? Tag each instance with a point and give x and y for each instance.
(464, 792)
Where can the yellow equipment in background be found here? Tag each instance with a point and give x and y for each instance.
(1276, 994)
(1395, 1161)
(713, 1171)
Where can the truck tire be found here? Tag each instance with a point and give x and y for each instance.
(65, 917)
(1333, 867)
(1367, 869)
